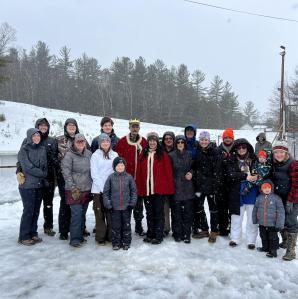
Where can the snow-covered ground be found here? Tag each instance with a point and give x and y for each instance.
(54, 270)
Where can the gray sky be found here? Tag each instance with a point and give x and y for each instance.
(243, 50)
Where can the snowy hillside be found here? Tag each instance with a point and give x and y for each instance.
(20, 117)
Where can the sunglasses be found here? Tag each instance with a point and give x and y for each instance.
(180, 142)
(242, 147)
(80, 141)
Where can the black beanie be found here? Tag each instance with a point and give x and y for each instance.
(118, 160)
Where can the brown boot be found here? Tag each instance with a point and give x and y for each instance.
(284, 236)
(290, 254)
(202, 234)
(212, 237)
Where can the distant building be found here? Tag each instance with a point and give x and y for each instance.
(246, 127)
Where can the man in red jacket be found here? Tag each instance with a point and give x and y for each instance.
(129, 147)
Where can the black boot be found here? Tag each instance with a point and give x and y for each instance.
(139, 229)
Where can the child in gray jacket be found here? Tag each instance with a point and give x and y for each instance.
(120, 196)
(269, 213)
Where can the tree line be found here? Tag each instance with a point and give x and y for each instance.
(127, 89)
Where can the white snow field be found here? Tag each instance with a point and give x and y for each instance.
(171, 270)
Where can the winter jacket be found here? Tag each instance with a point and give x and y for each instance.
(33, 162)
(234, 176)
(293, 194)
(269, 211)
(280, 176)
(168, 133)
(101, 168)
(131, 151)
(182, 163)
(154, 176)
(119, 191)
(191, 143)
(51, 147)
(114, 141)
(264, 146)
(76, 170)
(205, 169)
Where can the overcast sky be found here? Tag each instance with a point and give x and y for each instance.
(243, 50)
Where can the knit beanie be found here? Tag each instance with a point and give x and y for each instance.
(102, 137)
(228, 133)
(280, 145)
(262, 154)
(117, 161)
(204, 135)
(266, 185)
(79, 136)
(153, 136)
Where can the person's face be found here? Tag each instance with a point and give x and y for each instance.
(180, 145)
(71, 129)
(105, 145)
(204, 142)
(261, 139)
(189, 133)
(120, 167)
(262, 159)
(107, 128)
(152, 143)
(80, 145)
(266, 190)
(134, 130)
(279, 155)
(168, 141)
(242, 150)
(228, 141)
(43, 128)
(36, 138)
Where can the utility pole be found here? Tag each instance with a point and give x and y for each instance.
(282, 124)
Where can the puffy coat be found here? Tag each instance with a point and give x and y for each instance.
(101, 168)
(119, 191)
(182, 163)
(205, 169)
(131, 151)
(264, 146)
(160, 174)
(234, 176)
(33, 162)
(191, 143)
(114, 141)
(293, 194)
(76, 170)
(269, 211)
(51, 147)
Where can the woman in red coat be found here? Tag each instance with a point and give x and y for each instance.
(154, 180)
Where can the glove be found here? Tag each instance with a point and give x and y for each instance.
(289, 207)
(75, 193)
(20, 178)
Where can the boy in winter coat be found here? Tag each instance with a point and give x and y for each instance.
(269, 213)
(262, 169)
(120, 196)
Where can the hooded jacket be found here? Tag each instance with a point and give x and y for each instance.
(269, 210)
(264, 146)
(191, 143)
(168, 133)
(234, 176)
(33, 162)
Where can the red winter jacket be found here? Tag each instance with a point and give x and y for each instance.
(130, 151)
(293, 173)
(162, 176)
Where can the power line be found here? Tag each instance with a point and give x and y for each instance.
(241, 11)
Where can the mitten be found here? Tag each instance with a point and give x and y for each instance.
(20, 178)
(75, 193)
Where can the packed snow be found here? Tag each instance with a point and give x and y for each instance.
(53, 269)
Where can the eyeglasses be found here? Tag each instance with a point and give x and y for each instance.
(243, 146)
(180, 142)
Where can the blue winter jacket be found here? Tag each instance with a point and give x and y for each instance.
(192, 143)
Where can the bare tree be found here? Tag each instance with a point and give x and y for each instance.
(7, 36)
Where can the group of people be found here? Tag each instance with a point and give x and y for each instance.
(171, 176)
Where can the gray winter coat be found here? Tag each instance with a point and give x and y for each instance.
(270, 212)
(33, 160)
(182, 163)
(264, 146)
(76, 170)
(120, 191)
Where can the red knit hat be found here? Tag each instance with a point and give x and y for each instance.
(228, 132)
(266, 185)
(262, 154)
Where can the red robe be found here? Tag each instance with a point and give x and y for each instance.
(130, 151)
(161, 175)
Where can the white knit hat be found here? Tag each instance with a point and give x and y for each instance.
(280, 145)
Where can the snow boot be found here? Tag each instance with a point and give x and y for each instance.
(86, 233)
(202, 234)
(291, 243)
(139, 229)
(271, 253)
(284, 236)
(156, 241)
(233, 244)
(212, 237)
(262, 249)
(126, 247)
(36, 239)
(147, 240)
(63, 236)
(50, 232)
(28, 242)
(251, 246)
(116, 247)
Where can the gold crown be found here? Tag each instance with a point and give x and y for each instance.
(134, 121)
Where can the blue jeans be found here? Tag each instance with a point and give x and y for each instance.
(31, 199)
(77, 224)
